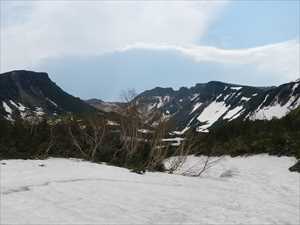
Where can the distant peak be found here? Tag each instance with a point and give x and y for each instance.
(21, 73)
(94, 100)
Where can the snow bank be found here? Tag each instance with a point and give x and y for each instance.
(253, 190)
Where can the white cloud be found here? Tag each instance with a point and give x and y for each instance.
(33, 31)
(48, 29)
(280, 59)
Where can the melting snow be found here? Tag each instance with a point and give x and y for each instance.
(195, 107)
(211, 114)
(162, 101)
(7, 108)
(219, 96)
(21, 107)
(182, 131)
(295, 87)
(233, 113)
(174, 141)
(275, 110)
(145, 131)
(194, 97)
(112, 123)
(263, 101)
(245, 99)
(52, 102)
(236, 88)
(228, 96)
(13, 103)
(39, 111)
(241, 190)
(238, 94)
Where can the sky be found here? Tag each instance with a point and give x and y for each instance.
(96, 49)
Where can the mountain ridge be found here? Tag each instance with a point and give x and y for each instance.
(29, 93)
(199, 107)
(206, 104)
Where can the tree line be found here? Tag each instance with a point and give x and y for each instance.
(124, 143)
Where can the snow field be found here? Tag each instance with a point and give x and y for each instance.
(242, 190)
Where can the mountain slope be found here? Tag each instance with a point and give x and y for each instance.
(206, 105)
(30, 93)
(278, 101)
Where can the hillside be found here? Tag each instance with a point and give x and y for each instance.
(276, 137)
(28, 94)
(206, 105)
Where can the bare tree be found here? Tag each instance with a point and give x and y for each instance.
(128, 96)
(130, 123)
(97, 136)
(45, 147)
(158, 148)
(51, 143)
(203, 164)
(87, 136)
(180, 155)
(196, 171)
(132, 141)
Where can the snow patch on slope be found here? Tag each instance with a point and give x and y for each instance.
(211, 114)
(52, 102)
(195, 96)
(195, 107)
(236, 88)
(245, 99)
(233, 113)
(182, 131)
(19, 106)
(13, 103)
(39, 111)
(7, 108)
(276, 109)
(162, 101)
(295, 87)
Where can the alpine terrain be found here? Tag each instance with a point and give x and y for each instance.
(207, 105)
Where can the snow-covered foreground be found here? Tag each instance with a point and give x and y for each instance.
(261, 190)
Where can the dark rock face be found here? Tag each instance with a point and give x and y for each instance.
(209, 104)
(28, 93)
(296, 167)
